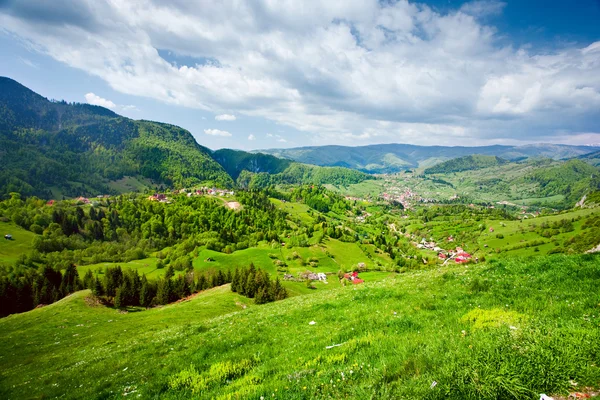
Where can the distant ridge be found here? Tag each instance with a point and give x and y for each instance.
(394, 157)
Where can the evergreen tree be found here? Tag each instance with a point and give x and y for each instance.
(97, 290)
(163, 291)
(145, 293)
(235, 281)
(88, 279)
(119, 297)
(201, 284)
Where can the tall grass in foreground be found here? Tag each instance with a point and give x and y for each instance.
(503, 330)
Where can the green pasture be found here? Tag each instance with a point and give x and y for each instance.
(510, 328)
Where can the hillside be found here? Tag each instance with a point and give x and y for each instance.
(508, 329)
(236, 161)
(591, 158)
(467, 163)
(257, 170)
(56, 148)
(390, 158)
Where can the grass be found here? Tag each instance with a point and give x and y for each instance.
(130, 184)
(507, 329)
(10, 250)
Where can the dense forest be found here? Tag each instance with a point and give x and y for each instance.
(467, 163)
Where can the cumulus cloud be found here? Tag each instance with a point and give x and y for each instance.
(251, 137)
(217, 132)
(96, 100)
(347, 72)
(225, 117)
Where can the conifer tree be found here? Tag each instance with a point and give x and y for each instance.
(145, 293)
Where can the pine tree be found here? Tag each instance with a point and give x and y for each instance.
(279, 291)
(235, 281)
(250, 287)
(119, 297)
(145, 295)
(88, 279)
(163, 291)
(201, 284)
(97, 290)
(261, 296)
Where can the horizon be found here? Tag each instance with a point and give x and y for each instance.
(594, 146)
(276, 76)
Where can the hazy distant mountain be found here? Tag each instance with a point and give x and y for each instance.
(386, 158)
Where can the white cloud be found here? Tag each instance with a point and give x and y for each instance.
(216, 132)
(130, 107)
(91, 98)
(29, 63)
(225, 117)
(251, 137)
(365, 71)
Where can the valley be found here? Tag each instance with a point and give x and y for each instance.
(137, 262)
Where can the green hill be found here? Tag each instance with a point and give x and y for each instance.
(468, 163)
(257, 170)
(591, 158)
(77, 149)
(236, 161)
(507, 329)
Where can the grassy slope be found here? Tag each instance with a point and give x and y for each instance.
(21, 243)
(451, 325)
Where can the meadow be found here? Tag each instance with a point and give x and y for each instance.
(510, 328)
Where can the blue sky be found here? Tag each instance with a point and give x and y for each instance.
(285, 74)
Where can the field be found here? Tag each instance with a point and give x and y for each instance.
(10, 250)
(505, 329)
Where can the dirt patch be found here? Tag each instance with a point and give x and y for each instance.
(234, 205)
(93, 301)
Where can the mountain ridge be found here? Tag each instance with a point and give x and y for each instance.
(395, 157)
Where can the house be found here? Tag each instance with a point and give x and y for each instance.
(83, 200)
(491, 229)
(442, 256)
(51, 203)
(462, 258)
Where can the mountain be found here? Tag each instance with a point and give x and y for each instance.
(591, 158)
(236, 161)
(467, 163)
(51, 148)
(390, 158)
(257, 170)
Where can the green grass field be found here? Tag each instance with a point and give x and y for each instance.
(10, 250)
(507, 329)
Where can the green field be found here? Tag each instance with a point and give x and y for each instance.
(10, 250)
(507, 329)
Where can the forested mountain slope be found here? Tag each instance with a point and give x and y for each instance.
(77, 149)
(257, 170)
(467, 163)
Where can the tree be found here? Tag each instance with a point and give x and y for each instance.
(145, 293)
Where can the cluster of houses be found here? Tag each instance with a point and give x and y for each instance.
(205, 191)
(162, 198)
(458, 255)
(313, 276)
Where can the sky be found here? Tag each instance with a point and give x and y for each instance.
(287, 73)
